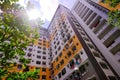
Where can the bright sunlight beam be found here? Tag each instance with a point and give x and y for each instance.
(33, 14)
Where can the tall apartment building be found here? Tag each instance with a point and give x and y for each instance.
(78, 45)
(92, 14)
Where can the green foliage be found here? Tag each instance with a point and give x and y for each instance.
(32, 75)
(112, 3)
(114, 18)
(15, 34)
(23, 76)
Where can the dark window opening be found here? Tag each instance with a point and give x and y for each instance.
(29, 54)
(30, 49)
(44, 63)
(43, 76)
(69, 54)
(59, 48)
(59, 75)
(60, 54)
(82, 69)
(38, 62)
(38, 51)
(19, 67)
(57, 59)
(44, 57)
(62, 62)
(74, 48)
(58, 66)
(66, 46)
(38, 56)
(63, 71)
(39, 47)
(103, 65)
(44, 52)
(72, 64)
(43, 69)
(112, 78)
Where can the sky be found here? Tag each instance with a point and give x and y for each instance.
(45, 9)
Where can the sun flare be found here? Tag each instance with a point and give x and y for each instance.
(33, 14)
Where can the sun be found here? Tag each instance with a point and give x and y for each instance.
(33, 14)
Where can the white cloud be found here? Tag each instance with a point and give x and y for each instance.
(48, 8)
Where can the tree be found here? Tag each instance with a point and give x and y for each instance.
(112, 3)
(114, 16)
(15, 34)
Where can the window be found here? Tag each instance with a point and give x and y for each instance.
(112, 78)
(66, 30)
(64, 40)
(103, 65)
(38, 62)
(57, 59)
(39, 43)
(77, 44)
(60, 54)
(55, 46)
(62, 62)
(44, 52)
(81, 52)
(72, 64)
(55, 52)
(71, 40)
(54, 42)
(58, 43)
(40, 40)
(38, 56)
(43, 63)
(74, 48)
(44, 48)
(90, 45)
(63, 71)
(66, 46)
(37, 68)
(68, 36)
(77, 56)
(59, 48)
(58, 66)
(43, 69)
(95, 54)
(82, 69)
(19, 67)
(38, 76)
(39, 47)
(38, 51)
(29, 54)
(59, 75)
(44, 44)
(69, 54)
(30, 49)
(43, 76)
(44, 57)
